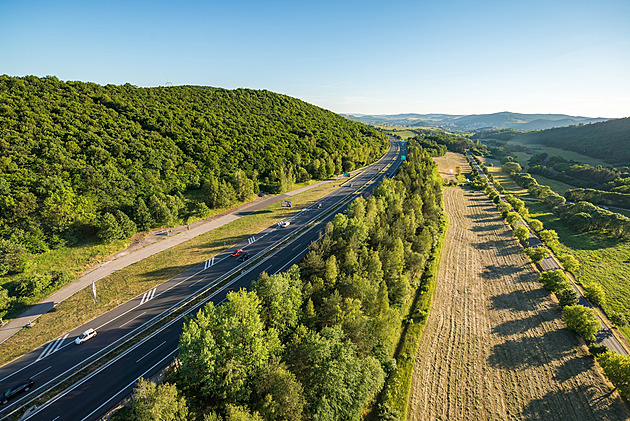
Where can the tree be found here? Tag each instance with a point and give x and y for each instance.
(537, 254)
(553, 279)
(582, 320)
(595, 293)
(5, 303)
(281, 299)
(535, 224)
(512, 218)
(159, 211)
(458, 171)
(142, 215)
(567, 296)
(569, 262)
(617, 369)
(224, 349)
(280, 396)
(110, 229)
(156, 402)
(510, 167)
(521, 233)
(549, 237)
(13, 257)
(127, 226)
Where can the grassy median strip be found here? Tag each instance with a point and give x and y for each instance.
(148, 273)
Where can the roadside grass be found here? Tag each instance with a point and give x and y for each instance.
(79, 259)
(603, 260)
(135, 279)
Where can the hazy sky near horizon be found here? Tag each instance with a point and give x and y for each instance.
(370, 57)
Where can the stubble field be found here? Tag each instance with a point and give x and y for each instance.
(494, 347)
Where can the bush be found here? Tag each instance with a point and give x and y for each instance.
(521, 233)
(595, 293)
(537, 254)
(567, 295)
(582, 320)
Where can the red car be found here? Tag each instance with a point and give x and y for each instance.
(237, 252)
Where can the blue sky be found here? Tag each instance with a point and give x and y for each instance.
(371, 57)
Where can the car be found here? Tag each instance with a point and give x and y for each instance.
(285, 223)
(243, 257)
(319, 206)
(16, 389)
(237, 252)
(85, 336)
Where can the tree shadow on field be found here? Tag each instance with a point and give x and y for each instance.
(583, 402)
(250, 212)
(491, 272)
(488, 227)
(534, 351)
(518, 300)
(574, 366)
(513, 327)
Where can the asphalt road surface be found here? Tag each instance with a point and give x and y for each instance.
(93, 395)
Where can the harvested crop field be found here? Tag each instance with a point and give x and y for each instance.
(449, 162)
(494, 347)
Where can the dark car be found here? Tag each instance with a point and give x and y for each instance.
(243, 257)
(16, 389)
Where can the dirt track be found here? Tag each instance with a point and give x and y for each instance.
(494, 347)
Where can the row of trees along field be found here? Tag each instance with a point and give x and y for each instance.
(582, 216)
(579, 174)
(608, 140)
(81, 162)
(315, 342)
(437, 143)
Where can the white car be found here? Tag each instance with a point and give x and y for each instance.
(87, 335)
(285, 223)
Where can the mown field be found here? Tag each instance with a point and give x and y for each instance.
(494, 347)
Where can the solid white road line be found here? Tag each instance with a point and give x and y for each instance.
(35, 375)
(151, 351)
(130, 384)
(131, 320)
(291, 261)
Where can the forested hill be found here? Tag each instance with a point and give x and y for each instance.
(609, 140)
(73, 152)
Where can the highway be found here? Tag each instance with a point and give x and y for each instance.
(110, 378)
(605, 335)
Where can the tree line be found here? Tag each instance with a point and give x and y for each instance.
(316, 342)
(583, 216)
(579, 174)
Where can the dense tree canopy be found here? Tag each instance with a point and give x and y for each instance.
(71, 152)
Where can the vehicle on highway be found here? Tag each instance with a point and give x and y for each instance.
(237, 252)
(285, 223)
(243, 257)
(319, 206)
(85, 336)
(16, 389)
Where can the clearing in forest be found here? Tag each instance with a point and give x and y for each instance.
(494, 347)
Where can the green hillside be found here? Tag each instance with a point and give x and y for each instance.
(81, 162)
(609, 140)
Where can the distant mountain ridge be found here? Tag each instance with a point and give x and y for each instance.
(502, 120)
